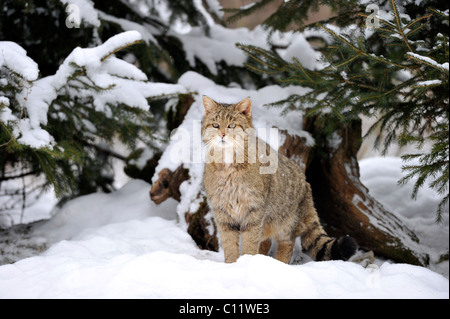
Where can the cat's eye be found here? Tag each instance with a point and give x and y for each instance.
(232, 125)
(215, 125)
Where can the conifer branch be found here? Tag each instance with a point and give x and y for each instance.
(11, 139)
(239, 13)
(119, 49)
(399, 24)
(441, 14)
(428, 61)
(299, 65)
(345, 62)
(370, 56)
(380, 20)
(417, 20)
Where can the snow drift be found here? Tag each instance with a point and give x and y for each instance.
(121, 245)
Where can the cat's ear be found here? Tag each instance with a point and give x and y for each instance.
(209, 104)
(245, 107)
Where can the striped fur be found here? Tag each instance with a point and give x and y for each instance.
(259, 207)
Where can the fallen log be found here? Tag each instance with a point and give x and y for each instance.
(344, 204)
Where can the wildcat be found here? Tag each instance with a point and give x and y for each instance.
(259, 207)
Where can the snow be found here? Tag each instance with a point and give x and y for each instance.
(121, 82)
(220, 45)
(130, 202)
(38, 205)
(4, 100)
(216, 7)
(199, 6)
(429, 83)
(128, 25)
(15, 58)
(380, 175)
(121, 245)
(36, 100)
(84, 10)
(303, 52)
(32, 136)
(429, 61)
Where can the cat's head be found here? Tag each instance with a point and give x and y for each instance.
(224, 123)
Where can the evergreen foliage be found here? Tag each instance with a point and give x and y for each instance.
(396, 72)
(293, 14)
(71, 147)
(378, 59)
(85, 108)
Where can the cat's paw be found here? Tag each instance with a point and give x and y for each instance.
(343, 248)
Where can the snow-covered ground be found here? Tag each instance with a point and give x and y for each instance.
(121, 245)
(380, 175)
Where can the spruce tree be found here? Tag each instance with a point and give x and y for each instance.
(73, 84)
(379, 59)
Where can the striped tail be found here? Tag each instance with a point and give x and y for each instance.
(341, 248)
(315, 240)
(320, 246)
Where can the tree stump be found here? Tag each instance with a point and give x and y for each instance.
(168, 184)
(345, 206)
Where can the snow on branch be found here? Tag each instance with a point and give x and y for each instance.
(429, 61)
(91, 75)
(14, 58)
(14, 61)
(128, 25)
(84, 9)
(220, 45)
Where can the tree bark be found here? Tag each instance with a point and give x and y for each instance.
(344, 204)
(168, 184)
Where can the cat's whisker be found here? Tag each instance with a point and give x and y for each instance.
(210, 143)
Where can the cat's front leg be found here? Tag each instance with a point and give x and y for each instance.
(251, 240)
(230, 242)
(285, 250)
